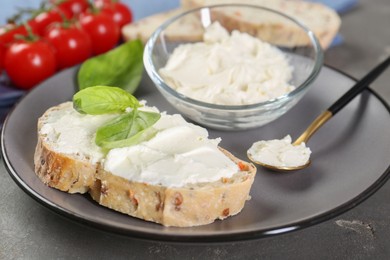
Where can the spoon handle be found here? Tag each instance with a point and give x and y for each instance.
(342, 101)
(359, 87)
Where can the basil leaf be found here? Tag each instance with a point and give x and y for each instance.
(127, 129)
(102, 100)
(121, 67)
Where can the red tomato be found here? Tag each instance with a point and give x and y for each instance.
(38, 26)
(120, 13)
(102, 30)
(28, 63)
(72, 45)
(73, 7)
(40, 23)
(7, 36)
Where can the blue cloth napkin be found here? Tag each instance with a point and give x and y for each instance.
(341, 6)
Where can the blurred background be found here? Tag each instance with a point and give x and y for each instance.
(138, 6)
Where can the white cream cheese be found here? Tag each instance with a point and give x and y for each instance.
(70, 132)
(280, 153)
(179, 154)
(225, 69)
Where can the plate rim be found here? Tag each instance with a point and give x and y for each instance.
(200, 238)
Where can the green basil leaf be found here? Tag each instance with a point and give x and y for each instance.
(102, 100)
(121, 67)
(127, 129)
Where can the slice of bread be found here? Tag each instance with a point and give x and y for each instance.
(188, 29)
(323, 21)
(82, 171)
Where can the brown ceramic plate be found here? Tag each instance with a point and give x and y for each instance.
(350, 162)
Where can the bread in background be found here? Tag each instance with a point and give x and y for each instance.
(322, 20)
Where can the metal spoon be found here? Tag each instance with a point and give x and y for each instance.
(329, 113)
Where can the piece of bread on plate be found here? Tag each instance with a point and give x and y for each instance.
(322, 20)
(80, 170)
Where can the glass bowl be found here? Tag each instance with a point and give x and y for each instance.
(294, 39)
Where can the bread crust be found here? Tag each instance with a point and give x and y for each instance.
(62, 172)
(191, 205)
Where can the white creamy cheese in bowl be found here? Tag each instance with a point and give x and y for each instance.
(228, 69)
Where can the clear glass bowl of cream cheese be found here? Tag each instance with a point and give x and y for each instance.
(233, 67)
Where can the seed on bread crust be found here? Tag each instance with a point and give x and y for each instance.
(177, 200)
(224, 180)
(225, 212)
(160, 204)
(103, 189)
(131, 195)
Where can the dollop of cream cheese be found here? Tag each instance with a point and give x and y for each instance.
(280, 153)
(228, 69)
(179, 154)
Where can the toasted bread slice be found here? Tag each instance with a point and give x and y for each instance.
(80, 171)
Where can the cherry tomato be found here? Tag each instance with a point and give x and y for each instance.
(28, 63)
(119, 12)
(7, 36)
(40, 23)
(72, 7)
(102, 30)
(72, 45)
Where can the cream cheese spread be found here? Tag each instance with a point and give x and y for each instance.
(280, 153)
(70, 132)
(228, 69)
(179, 154)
